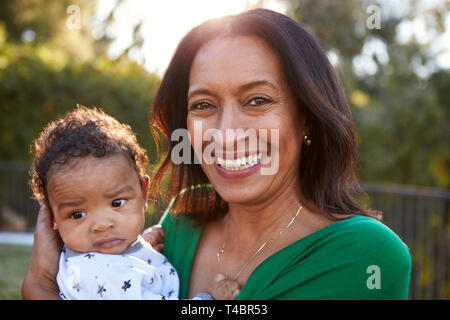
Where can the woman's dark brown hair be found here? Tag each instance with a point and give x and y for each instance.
(327, 166)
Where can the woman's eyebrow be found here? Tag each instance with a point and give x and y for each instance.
(198, 91)
(257, 83)
(115, 193)
(241, 88)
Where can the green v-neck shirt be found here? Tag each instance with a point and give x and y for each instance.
(355, 258)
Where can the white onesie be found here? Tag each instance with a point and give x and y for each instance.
(138, 273)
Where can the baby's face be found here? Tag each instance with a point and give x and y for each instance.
(98, 203)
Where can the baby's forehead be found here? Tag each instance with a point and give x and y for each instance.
(91, 168)
(117, 159)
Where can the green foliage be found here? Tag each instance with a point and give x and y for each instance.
(40, 82)
(401, 112)
(44, 76)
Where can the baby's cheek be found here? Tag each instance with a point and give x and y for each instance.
(75, 238)
(133, 223)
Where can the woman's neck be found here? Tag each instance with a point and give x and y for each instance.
(250, 224)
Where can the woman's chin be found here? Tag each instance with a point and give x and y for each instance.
(245, 194)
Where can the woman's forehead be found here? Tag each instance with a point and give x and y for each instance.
(235, 60)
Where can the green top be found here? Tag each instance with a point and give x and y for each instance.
(356, 258)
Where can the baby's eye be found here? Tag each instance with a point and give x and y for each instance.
(118, 203)
(77, 215)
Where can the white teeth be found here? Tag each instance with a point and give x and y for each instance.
(239, 164)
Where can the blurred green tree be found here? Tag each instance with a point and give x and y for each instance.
(399, 95)
(46, 68)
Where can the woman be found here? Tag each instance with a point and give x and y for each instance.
(295, 232)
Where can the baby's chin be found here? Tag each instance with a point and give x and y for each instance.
(112, 247)
(112, 250)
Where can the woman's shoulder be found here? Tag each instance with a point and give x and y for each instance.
(364, 239)
(355, 258)
(375, 254)
(372, 236)
(367, 248)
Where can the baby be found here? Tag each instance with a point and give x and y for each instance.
(90, 171)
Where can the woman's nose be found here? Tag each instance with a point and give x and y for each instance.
(229, 119)
(230, 128)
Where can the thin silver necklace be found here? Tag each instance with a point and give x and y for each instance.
(221, 250)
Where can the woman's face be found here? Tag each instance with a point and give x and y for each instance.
(238, 83)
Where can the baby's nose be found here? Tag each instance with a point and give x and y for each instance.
(102, 224)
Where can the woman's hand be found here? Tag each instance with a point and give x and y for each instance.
(40, 281)
(223, 288)
(155, 236)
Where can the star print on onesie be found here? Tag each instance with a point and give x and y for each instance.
(138, 273)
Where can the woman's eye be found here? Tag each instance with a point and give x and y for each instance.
(77, 215)
(118, 203)
(200, 106)
(258, 101)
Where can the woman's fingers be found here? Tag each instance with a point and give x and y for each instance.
(159, 247)
(43, 265)
(219, 277)
(155, 236)
(223, 288)
(47, 242)
(44, 227)
(155, 231)
(44, 219)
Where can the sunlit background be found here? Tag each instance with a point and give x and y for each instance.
(112, 54)
(164, 23)
(163, 27)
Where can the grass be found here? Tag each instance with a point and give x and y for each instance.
(14, 260)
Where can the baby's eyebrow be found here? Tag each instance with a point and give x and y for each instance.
(115, 193)
(73, 203)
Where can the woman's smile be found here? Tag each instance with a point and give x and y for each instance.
(240, 163)
(240, 167)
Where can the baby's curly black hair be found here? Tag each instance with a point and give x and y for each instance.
(79, 133)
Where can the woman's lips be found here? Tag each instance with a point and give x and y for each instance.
(239, 173)
(108, 243)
